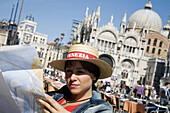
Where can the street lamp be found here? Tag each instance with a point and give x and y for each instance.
(58, 43)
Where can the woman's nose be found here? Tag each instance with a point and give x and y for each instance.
(73, 76)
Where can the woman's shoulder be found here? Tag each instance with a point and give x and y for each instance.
(101, 105)
(95, 106)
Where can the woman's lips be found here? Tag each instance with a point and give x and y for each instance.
(74, 85)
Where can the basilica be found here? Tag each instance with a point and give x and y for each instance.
(128, 49)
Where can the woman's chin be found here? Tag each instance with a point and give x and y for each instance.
(75, 91)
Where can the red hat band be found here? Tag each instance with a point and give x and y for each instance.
(80, 55)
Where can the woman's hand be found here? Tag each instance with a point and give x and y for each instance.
(52, 106)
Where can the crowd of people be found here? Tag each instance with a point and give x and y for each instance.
(138, 91)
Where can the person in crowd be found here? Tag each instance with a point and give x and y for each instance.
(82, 70)
(127, 90)
(116, 89)
(164, 94)
(108, 87)
(103, 88)
(99, 84)
(149, 93)
(146, 93)
(123, 89)
(153, 95)
(139, 91)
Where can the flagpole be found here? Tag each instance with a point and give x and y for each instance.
(18, 23)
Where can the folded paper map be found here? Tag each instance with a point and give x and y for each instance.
(21, 80)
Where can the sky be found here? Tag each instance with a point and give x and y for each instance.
(54, 17)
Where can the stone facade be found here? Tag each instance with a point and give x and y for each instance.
(126, 49)
(3, 33)
(28, 35)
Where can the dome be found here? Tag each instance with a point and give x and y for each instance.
(145, 18)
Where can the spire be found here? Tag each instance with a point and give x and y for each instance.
(98, 11)
(87, 10)
(93, 16)
(148, 5)
(123, 24)
(98, 16)
(86, 16)
(89, 17)
(167, 26)
(111, 20)
(124, 18)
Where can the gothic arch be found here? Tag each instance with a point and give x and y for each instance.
(134, 36)
(108, 29)
(131, 41)
(107, 35)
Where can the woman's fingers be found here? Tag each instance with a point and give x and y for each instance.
(46, 111)
(53, 102)
(48, 108)
(52, 106)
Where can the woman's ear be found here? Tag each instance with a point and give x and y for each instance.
(93, 77)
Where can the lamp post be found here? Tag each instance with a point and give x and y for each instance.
(58, 43)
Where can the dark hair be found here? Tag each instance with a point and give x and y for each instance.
(167, 83)
(139, 82)
(92, 68)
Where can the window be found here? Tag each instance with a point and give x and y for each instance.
(160, 44)
(123, 26)
(49, 59)
(147, 50)
(109, 44)
(106, 44)
(159, 51)
(130, 49)
(153, 50)
(48, 65)
(149, 41)
(113, 45)
(154, 43)
(124, 74)
(102, 43)
(133, 50)
(127, 49)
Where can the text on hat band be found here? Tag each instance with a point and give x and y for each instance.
(80, 55)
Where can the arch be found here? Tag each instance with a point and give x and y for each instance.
(149, 41)
(153, 50)
(159, 51)
(124, 74)
(127, 67)
(160, 44)
(147, 50)
(107, 58)
(107, 35)
(131, 41)
(155, 42)
(128, 64)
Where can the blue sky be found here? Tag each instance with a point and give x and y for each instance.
(54, 17)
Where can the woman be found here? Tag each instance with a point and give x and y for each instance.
(139, 88)
(82, 68)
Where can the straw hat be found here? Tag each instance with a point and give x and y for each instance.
(84, 53)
